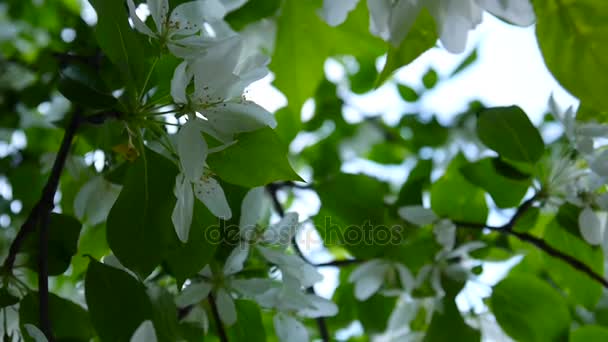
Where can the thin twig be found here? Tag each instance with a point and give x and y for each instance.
(539, 243)
(221, 332)
(340, 263)
(272, 190)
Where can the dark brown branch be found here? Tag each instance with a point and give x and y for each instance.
(272, 190)
(539, 243)
(221, 332)
(340, 263)
(40, 216)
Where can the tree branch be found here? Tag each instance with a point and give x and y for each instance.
(539, 243)
(272, 190)
(221, 332)
(40, 216)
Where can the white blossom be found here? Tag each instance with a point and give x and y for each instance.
(144, 333)
(371, 275)
(418, 215)
(183, 31)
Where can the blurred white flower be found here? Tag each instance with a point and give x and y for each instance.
(371, 275)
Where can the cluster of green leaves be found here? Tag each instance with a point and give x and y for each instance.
(106, 70)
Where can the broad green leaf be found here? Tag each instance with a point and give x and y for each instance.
(64, 231)
(352, 207)
(252, 11)
(429, 134)
(186, 260)
(452, 196)
(119, 41)
(578, 286)
(139, 227)
(363, 80)
(117, 302)
(304, 41)
(421, 37)
(81, 84)
(69, 320)
(483, 174)
(387, 153)
(419, 177)
(249, 326)
(7, 298)
(509, 132)
(375, 312)
(448, 324)
(165, 316)
(261, 153)
(573, 38)
(529, 309)
(589, 333)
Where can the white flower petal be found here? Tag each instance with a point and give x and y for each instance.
(179, 83)
(184, 206)
(225, 307)
(252, 210)
(137, 23)
(590, 226)
(35, 333)
(402, 18)
(283, 231)
(366, 268)
(159, 10)
(95, 199)
(406, 277)
(144, 333)
(209, 191)
(236, 259)
(237, 117)
(189, 17)
(379, 15)
(334, 12)
(445, 234)
(366, 286)
(417, 215)
(292, 265)
(289, 329)
(193, 294)
(318, 307)
(252, 287)
(518, 12)
(192, 150)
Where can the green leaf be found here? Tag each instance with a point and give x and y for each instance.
(352, 208)
(304, 42)
(430, 78)
(466, 63)
(186, 260)
(452, 196)
(165, 316)
(249, 326)
(421, 37)
(69, 320)
(64, 231)
(252, 11)
(81, 84)
(139, 226)
(363, 80)
(579, 287)
(261, 153)
(425, 134)
(374, 312)
(419, 177)
(528, 309)
(573, 38)
(119, 42)
(509, 132)
(448, 324)
(589, 333)
(483, 174)
(117, 302)
(6, 298)
(407, 93)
